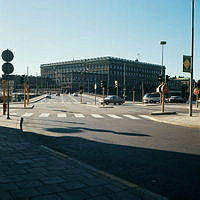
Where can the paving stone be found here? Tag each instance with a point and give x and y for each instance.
(49, 189)
(8, 187)
(52, 180)
(72, 185)
(97, 190)
(29, 184)
(47, 197)
(5, 196)
(24, 193)
(74, 195)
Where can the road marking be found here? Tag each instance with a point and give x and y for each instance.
(147, 117)
(79, 115)
(131, 117)
(96, 116)
(114, 116)
(13, 114)
(44, 115)
(61, 115)
(27, 114)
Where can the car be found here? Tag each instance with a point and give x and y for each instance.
(75, 94)
(151, 97)
(58, 94)
(177, 99)
(112, 99)
(48, 96)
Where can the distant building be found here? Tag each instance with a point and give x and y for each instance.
(130, 74)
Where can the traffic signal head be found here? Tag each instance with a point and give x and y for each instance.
(103, 84)
(167, 78)
(116, 84)
(159, 78)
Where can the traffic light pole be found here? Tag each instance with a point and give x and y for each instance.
(8, 97)
(191, 73)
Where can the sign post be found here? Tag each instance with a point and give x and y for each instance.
(187, 67)
(7, 68)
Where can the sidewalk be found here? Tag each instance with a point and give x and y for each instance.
(20, 105)
(181, 119)
(35, 172)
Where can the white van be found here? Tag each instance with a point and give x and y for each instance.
(152, 97)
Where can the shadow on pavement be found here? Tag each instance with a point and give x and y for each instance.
(171, 174)
(81, 129)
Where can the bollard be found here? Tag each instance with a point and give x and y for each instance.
(21, 124)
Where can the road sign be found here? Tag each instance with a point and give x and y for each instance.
(7, 55)
(196, 91)
(164, 89)
(7, 68)
(187, 63)
(158, 89)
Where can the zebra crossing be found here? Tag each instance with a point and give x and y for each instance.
(80, 115)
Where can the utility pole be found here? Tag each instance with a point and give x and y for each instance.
(124, 94)
(192, 59)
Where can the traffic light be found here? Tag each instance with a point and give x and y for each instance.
(167, 78)
(159, 78)
(103, 84)
(116, 84)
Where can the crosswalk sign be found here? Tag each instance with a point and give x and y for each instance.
(187, 66)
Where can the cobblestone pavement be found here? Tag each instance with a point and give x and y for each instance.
(32, 172)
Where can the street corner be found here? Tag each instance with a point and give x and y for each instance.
(180, 119)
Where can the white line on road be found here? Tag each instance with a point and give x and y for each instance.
(27, 114)
(114, 116)
(147, 117)
(44, 115)
(97, 116)
(61, 115)
(79, 115)
(131, 117)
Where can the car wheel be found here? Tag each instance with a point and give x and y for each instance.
(114, 103)
(151, 101)
(120, 103)
(107, 103)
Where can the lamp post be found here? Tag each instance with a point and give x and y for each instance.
(162, 43)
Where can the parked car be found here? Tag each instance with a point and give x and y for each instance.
(75, 94)
(48, 96)
(151, 97)
(177, 99)
(112, 99)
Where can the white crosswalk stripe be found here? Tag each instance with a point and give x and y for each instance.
(44, 115)
(147, 117)
(27, 114)
(79, 115)
(61, 115)
(131, 117)
(97, 116)
(114, 116)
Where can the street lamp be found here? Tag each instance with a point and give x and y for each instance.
(162, 43)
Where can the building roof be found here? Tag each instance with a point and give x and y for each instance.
(106, 58)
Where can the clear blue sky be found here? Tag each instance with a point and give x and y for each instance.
(44, 31)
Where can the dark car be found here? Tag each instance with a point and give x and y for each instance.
(177, 99)
(112, 99)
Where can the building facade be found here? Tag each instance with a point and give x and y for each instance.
(129, 74)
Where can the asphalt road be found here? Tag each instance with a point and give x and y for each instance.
(119, 140)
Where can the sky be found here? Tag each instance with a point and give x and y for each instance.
(46, 31)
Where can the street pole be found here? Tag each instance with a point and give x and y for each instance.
(133, 96)
(108, 81)
(192, 59)
(8, 97)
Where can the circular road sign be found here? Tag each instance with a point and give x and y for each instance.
(7, 68)
(196, 91)
(7, 55)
